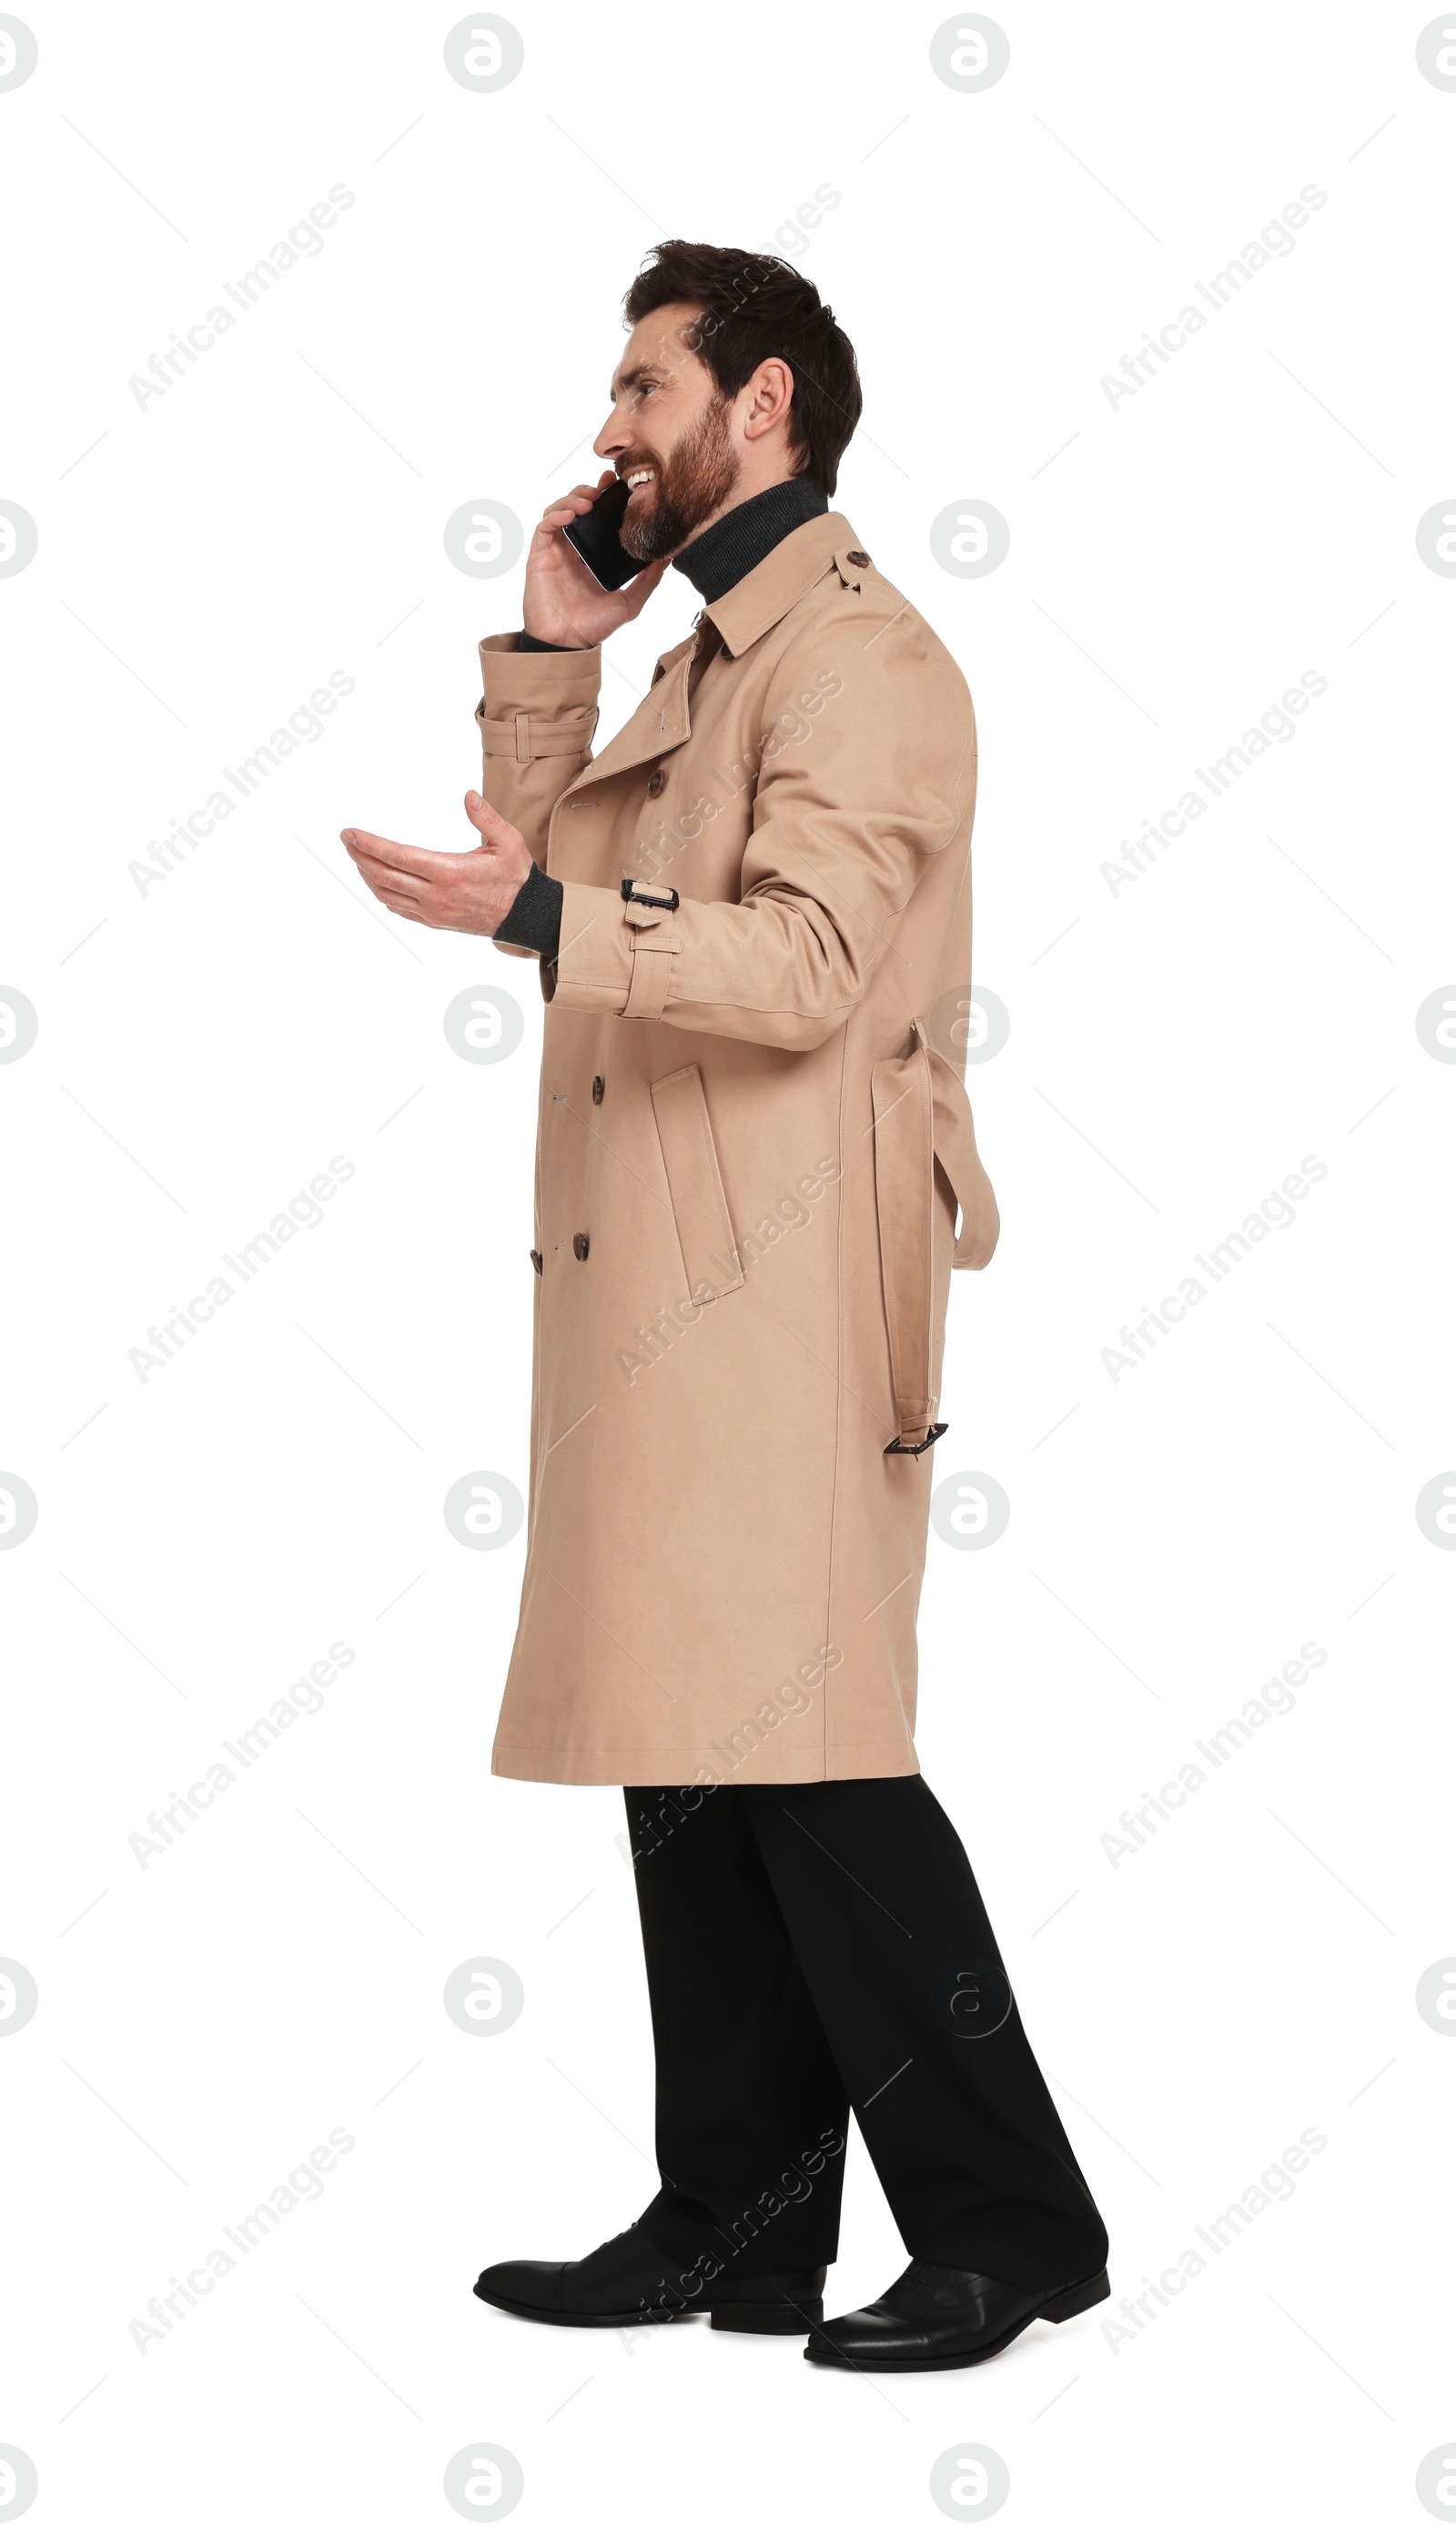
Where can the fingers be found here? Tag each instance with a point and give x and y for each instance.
(391, 885)
(496, 831)
(402, 896)
(561, 514)
(569, 506)
(405, 893)
(411, 862)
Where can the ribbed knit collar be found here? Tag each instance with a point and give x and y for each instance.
(723, 554)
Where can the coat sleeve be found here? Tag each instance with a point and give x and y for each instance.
(537, 717)
(867, 762)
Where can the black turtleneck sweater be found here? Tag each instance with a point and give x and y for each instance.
(713, 562)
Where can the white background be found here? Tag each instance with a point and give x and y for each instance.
(1177, 1047)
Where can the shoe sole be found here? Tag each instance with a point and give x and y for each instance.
(1066, 2304)
(742, 2318)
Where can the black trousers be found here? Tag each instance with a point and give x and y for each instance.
(818, 1947)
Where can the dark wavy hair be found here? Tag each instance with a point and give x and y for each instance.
(755, 308)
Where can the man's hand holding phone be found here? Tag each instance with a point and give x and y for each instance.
(564, 602)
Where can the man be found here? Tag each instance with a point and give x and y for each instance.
(748, 911)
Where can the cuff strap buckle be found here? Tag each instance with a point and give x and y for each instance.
(666, 899)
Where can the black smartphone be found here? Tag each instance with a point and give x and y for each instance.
(595, 539)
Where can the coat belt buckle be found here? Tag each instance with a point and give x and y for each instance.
(933, 1437)
(666, 899)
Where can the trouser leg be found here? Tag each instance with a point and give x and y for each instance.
(903, 1965)
(751, 2113)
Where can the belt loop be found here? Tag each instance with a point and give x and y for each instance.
(522, 738)
(652, 974)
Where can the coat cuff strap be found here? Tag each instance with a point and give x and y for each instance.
(653, 945)
(527, 735)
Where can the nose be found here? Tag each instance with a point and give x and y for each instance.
(612, 437)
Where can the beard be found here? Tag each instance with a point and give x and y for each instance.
(693, 481)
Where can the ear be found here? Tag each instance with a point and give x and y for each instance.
(769, 394)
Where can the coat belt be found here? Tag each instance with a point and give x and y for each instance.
(922, 1116)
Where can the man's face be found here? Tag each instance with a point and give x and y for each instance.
(671, 433)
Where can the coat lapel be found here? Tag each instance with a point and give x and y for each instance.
(660, 722)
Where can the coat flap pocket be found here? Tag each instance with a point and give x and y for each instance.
(695, 1182)
(956, 1152)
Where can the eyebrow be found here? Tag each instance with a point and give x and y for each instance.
(630, 378)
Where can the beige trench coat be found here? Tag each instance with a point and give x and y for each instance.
(753, 1141)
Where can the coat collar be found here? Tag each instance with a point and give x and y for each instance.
(770, 591)
(663, 720)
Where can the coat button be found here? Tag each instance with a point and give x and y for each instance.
(598, 1088)
(581, 1244)
(535, 1262)
(857, 555)
(656, 780)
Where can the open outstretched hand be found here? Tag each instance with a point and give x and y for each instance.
(469, 893)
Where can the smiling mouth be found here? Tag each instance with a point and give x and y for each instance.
(635, 477)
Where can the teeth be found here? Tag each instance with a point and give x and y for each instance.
(643, 475)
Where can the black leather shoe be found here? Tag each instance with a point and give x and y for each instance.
(935, 2317)
(629, 2282)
